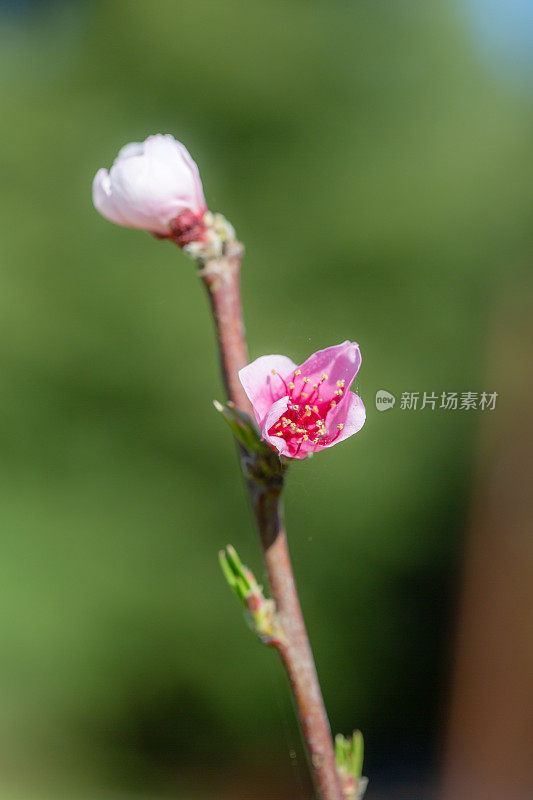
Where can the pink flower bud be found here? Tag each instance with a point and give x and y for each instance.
(301, 410)
(149, 186)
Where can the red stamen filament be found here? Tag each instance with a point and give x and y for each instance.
(305, 419)
(281, 379)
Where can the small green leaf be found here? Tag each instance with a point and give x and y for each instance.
(226, 569)
(260, 612)
(357, 754)
(242, 426)
(339, 750)
(349, 754)
(235, 574)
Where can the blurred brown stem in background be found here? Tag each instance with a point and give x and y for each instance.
(489, 753)
(222, 280)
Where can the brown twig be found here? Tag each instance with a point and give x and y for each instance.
(222, 280)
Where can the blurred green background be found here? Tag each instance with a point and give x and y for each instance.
(375, 158)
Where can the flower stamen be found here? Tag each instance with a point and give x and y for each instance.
(274, 372)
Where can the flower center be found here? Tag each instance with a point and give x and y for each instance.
(305, 418)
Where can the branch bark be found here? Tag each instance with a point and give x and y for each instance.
(222, 280)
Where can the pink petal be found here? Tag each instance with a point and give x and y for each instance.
(103, 198)
(340, 363)
(177, 158)
(351, 414)
(262, 387)
(305, 449)
(147, 193)
(276, 411)
(131, 149)
(149, 185)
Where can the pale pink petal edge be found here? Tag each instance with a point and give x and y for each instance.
(351, 414)
(261, 386)
(276, 410)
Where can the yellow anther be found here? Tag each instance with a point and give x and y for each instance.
(297, 371)
(305, 437)
(340, 427)
(315, 409)
(323, 377)
(305, 395)
(306, 380)
(338, 392)
(341, 383)
(291, 385)
(333, 404)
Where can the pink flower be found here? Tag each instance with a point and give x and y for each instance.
(154, 185)
(304, 409)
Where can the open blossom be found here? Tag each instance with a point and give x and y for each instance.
(301, 410)
(155, 186)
